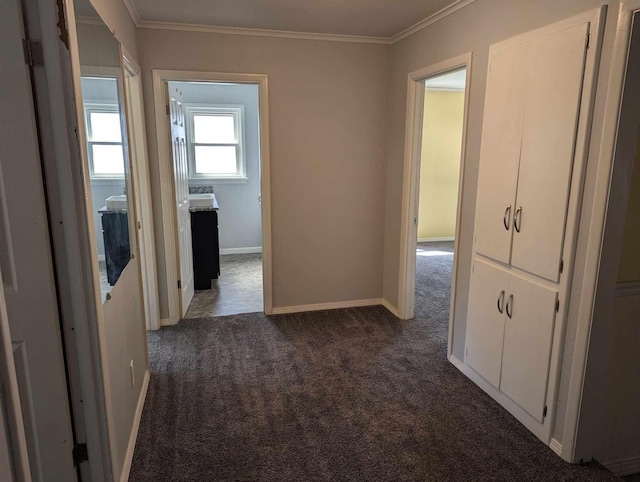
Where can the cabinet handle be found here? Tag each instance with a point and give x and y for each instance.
(501, 302)
(509, 305)
(517, 219)
(506, 218)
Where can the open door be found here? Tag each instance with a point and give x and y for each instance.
(181, 184)
(26, 264)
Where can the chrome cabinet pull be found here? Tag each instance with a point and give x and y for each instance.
(507, 217)
(509, 306)
(517, 219)
(501, 302)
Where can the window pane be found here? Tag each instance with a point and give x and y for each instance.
(214, 129)
(215, 159)
(105, 127)
(108, 159)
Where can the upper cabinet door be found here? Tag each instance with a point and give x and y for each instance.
(500, 151)
(556, 69)
(485, 325)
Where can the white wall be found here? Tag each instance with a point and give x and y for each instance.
(328, 125)
(239, 215)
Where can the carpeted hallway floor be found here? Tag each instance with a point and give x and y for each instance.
(342, 395)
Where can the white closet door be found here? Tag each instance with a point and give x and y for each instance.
(485, 324)
(500, 151)
(556, 67)
(527, 344)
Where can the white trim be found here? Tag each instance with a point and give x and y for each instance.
(250, 250)
(444, 89)
(167, 322)
(556, 446)
(624, 467)
(102, 257)
(435, 240)
(166, 175)
(392, 309)
(327, 306)
(595, 225)
(628, 288)
(431, 19)
(128, 458)
(133, 12)
(410, 189)
(259, 32)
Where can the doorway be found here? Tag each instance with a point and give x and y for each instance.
(219, 151)
(434, 170)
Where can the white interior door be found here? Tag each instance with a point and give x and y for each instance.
(25, 262)
(485, 324)
(556, 68)
(500, 151)
(181, 177)
(527, 344)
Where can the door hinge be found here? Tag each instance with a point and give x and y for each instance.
(179, 284)
(557, 306)
(80, 454)
(544, 412)
(33, 55)
(561, 266)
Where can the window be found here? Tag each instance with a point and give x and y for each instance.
(215, 141)
(104, 140)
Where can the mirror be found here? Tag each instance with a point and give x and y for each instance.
(106, 143)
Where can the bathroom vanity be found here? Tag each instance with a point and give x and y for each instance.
(204, 239)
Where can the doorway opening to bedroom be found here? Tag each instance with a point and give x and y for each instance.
(434, 172)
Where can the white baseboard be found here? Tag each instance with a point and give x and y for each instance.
(556, 446)
(624, 467)
(102, 257)
(392, 309)
(250, 250)
(128, 458)
(166, 322)
(455, 361)
(433, 240)
(326, 306)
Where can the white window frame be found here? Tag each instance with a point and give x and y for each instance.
(89, 108)
(237, 111)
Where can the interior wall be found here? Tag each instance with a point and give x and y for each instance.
(239, 215)
(473, 29)
(629, 268)
(440, 163)
(328, 124)
(124, 327)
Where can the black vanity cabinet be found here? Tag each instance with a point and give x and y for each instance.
(206, 247)
(117, 248)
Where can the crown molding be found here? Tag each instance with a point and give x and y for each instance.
(259, 32)
(133, 12)
(431, 19)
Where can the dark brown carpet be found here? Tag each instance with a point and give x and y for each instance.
(343, 395)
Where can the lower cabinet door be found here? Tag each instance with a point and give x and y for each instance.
(528, 334)
(485, 323)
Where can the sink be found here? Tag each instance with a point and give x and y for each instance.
(117, 202)
(207, 200)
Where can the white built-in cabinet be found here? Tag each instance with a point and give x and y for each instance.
(531, 133)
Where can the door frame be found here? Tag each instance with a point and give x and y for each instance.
(145, 246)
(168, 199)
(411, 180)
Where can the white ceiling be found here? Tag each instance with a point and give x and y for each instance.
(375, 18)
(450, 81)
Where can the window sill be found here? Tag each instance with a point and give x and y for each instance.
(205, 181)
(107, 180)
